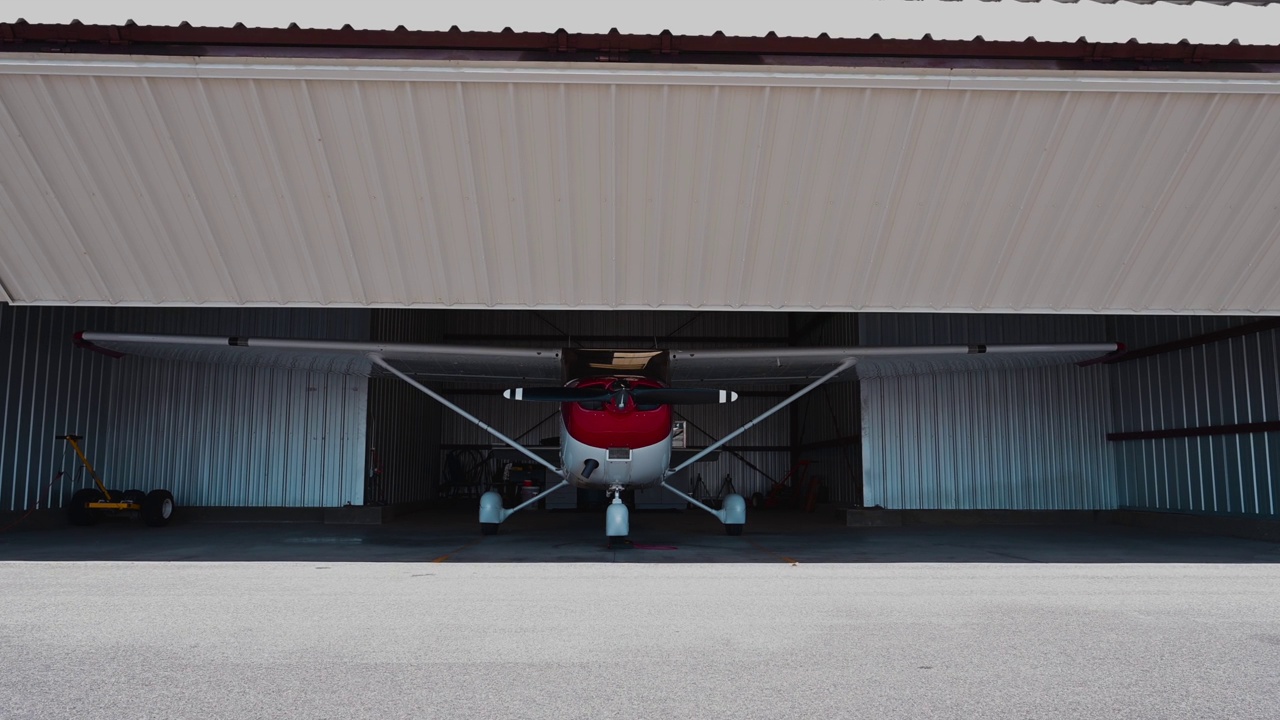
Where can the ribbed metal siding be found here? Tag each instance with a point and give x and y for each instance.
(236, 436)
(213, 435)
(720, 420)
(962, 328)
(1228, 382)
(1027, 439)
(363, 182)
(404, 424)
(832, 413)
(47, 388)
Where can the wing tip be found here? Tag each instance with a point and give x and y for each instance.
(79, 341)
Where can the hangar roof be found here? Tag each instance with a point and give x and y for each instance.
(1003, 178)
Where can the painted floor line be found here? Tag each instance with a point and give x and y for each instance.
(457, 550)
(767, 551)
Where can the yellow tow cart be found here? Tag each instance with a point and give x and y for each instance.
(89, 504)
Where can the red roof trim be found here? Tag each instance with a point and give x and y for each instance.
(613, 46)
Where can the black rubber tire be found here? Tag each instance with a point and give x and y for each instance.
(116, 495)
(734, 529)
(757, 500)
(78, 512)
(134, 496)
(157, 508)
(489, 528)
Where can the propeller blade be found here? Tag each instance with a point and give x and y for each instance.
(682, 396)
(558, 394)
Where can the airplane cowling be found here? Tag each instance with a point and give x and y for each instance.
(646, 466)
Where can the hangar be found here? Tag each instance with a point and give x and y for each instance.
(664, 191)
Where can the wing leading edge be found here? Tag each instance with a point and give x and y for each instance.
(793, 365)
(506, 364)
(432, 362)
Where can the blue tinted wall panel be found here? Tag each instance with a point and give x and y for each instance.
(47, 388)
(1018, 440)
(1024, 439)
(1229, 382)
(214, 435)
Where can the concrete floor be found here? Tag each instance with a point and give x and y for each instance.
(800, 617)
(657, 537)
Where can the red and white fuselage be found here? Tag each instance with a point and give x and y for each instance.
(605, 445)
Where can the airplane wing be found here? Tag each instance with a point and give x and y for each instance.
(431, 362)
(781, 366)
(777, 366)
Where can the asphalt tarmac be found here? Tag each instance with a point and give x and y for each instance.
(628, 640)
(799, 617)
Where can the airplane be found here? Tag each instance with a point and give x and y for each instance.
(615, 405)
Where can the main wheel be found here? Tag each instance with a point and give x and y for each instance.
(157, 508)
(733, 528)
(78, 510)
(489, 528)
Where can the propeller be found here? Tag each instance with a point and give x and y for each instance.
(622, 394)
(682, 396)
(558, 394)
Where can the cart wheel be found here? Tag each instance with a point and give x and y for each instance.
(757, 500)
(157, 508)
(133, 496)
(734, 529)
(489, 528)
(78, 510)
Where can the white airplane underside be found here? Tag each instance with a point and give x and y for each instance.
(615, 426)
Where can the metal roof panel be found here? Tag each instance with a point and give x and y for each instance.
(604, 186)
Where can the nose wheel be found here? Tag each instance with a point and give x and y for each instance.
(617, 517)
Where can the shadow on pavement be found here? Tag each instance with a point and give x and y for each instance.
(656, 537)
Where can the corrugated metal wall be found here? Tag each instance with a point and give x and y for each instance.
(1021, 439)
(213, 435)
(1223, 383)
(1024, 439)
(827, 421)
(521, 183)
(233, 436)
(404, 424)
(47, 388)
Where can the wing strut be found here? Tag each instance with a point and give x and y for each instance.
(848, 363)
(733, 513)
(378, 360)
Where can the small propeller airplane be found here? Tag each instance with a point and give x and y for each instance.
(615, 405)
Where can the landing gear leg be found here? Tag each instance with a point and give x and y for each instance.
(732, 512)
(617, 518)
(492, 513)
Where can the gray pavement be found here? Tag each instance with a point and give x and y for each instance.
(627, 640)
(800, 617)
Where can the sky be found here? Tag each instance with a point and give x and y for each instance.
(1007, 20)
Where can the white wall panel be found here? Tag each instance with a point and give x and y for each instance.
(185, 181)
